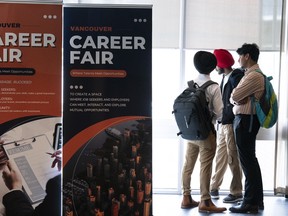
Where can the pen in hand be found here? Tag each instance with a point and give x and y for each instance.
(57, 160)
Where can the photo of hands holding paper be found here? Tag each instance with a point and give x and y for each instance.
(31, 174)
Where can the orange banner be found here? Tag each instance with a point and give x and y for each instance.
(30, 60)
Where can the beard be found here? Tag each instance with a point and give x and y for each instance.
(220, 71)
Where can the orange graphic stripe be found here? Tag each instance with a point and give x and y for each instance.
(72, 146)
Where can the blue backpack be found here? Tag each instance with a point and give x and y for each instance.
(267, 106)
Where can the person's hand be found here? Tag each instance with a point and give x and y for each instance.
(58, 159)
(12, 177)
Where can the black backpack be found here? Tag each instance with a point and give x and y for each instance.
(192, 113)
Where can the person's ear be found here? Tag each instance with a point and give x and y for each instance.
(247, 56)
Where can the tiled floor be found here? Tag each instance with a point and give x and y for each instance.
(169, 205)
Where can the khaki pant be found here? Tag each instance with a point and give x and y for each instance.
(206, 149)
(227, 154)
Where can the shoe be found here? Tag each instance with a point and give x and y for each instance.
(244, 208)
(188, 202)
(232, 199)
(260, 205)
(214, 194)
(208, 206)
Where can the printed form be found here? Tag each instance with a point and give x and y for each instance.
(33, 160)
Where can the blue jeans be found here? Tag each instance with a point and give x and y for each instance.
(246, 143)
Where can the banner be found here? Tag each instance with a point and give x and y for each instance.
(30, 97)
(107, 124)
(30, 63)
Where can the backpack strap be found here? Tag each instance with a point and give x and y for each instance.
(251, 116)
(208, 83)
(253, 101)
(192, 84)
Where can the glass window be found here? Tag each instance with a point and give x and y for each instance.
(227, 24)
(166, 151)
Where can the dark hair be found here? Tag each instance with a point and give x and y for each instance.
(251, 49)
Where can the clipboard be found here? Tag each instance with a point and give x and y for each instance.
(33, 163)
(57, 137)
